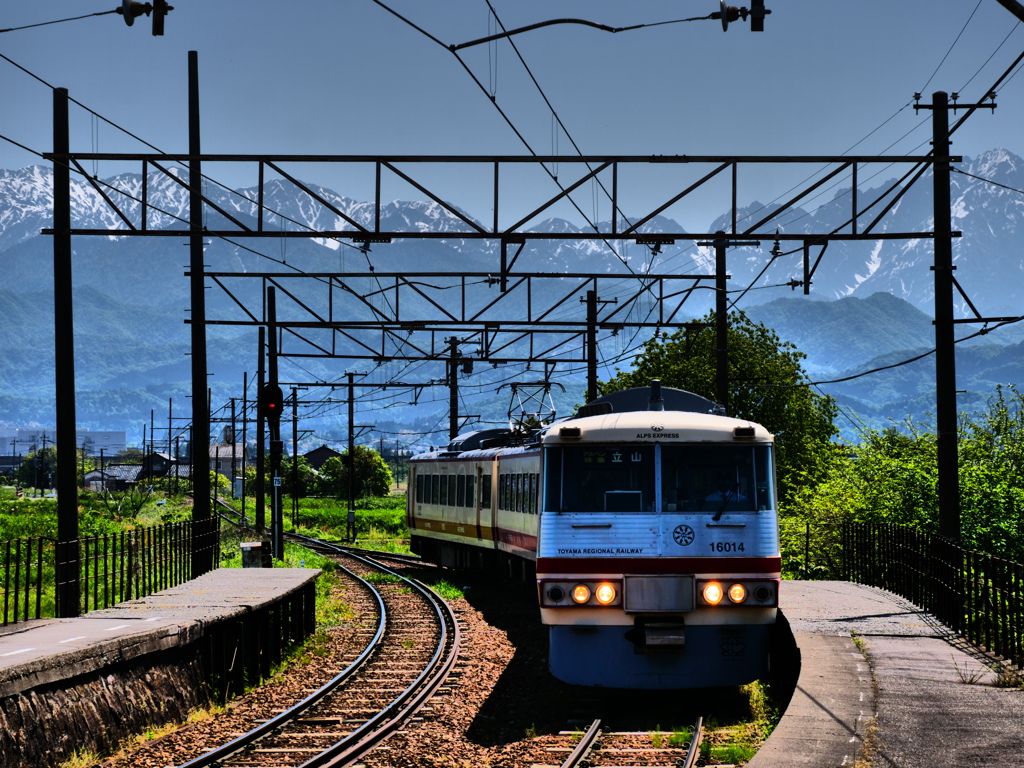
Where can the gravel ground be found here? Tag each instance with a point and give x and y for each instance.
(502, 708)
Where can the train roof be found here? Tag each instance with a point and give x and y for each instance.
(640, 414)
(656, 427)
(652, 398)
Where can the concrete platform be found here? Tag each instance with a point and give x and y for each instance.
(87, 683)
(881, 680)
(44, 651)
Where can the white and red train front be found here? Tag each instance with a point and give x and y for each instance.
(658, 556)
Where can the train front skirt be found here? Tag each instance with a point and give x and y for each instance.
(669, 657)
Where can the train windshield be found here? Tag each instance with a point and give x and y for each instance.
(716, 479)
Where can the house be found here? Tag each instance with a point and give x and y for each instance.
(318, 456)
(113, 477)
(157, 464)
(226, 458)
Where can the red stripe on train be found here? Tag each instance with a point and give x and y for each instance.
(654, 565)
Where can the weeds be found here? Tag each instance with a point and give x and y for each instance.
(382, 578)
(1007, 675)
(966, 674)
(447, 590)
(657, 738)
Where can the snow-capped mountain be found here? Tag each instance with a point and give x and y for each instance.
(137, 291)
(987, 208)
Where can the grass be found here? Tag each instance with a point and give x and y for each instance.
(447, 590)
(967, 675)
(382, 578)
(1007, 676)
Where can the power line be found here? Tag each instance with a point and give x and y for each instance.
(951, 47)
(988, 181)
(59, 21)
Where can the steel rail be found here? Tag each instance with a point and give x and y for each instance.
(225, 751)
(579, 754)
(694, 751)
(354, 746)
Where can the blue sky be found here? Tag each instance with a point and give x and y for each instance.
(347, 77)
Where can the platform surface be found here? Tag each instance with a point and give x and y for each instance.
(43, 651)
(876, 668)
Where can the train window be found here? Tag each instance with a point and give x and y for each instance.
(716, 479)
(533, 493)
(519, 493)
(606, 479)
(451, 490)
(460, 491)
(485, 490)
(419, 488)
(435, 489)
(502, 484)
(470, 490)
(442, 494)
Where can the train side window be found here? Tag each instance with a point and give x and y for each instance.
(460, 491)
(485, 490)
(419, 488)
(435, 489)
(533, 492)
(470, 489)
(502, 482)
(451, 490)
(442, 494)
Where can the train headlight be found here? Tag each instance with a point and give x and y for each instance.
(556, 594)
(605, 593)
(580, 593)
(713, 593)
(737, 593)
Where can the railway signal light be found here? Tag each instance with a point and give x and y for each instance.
(271, 402)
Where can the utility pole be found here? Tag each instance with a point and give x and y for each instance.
(945, 353)
(67, 565)
(204, 529)
(453, 387)
(234, 451)
(295, 457)
(720, 243)
(274, 424)
(245, 434)
(350, 533)
(591, 342)
(261, 438)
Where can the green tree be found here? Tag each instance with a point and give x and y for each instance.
(372, 475)
(38, 468)
(306, 476)
(767, 384)
(891, 476)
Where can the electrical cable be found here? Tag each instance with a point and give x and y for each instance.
(951, 47)
(22, 146)
(59, 21)
(988, 181)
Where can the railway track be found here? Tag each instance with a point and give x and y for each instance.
(597, 749)
(407, 658)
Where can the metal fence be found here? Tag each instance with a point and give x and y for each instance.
(978, 596)
(111, 569)
(28, 579)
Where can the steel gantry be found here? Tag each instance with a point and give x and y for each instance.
(331, 315)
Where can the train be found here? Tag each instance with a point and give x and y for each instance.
(647, 520)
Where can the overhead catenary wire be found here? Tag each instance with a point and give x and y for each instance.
(60, 21)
